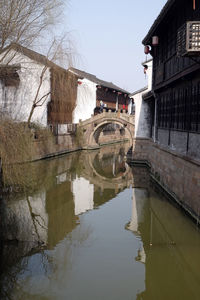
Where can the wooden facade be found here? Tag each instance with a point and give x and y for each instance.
(111, 98)
(176, 79)
(63, 96)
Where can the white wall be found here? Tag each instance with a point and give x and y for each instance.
(141, 116)
(17, 101)
(86, 101)
(149, 73)
(142, 129)
(130, 106)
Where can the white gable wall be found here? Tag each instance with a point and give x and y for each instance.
(86, 100)
(142, 129)
(149, 73)
(141, 112)
(17, 101)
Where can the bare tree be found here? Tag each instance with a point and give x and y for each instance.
(24, 21)
(61, 52)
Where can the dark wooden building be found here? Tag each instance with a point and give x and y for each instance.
(174, 43)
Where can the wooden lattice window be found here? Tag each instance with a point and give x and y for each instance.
(180, 109)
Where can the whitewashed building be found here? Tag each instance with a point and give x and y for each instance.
(27, 77)
(20, 71)
(142, 122)
(91, 90)
(63, 97)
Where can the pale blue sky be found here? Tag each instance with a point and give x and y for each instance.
(108, 35)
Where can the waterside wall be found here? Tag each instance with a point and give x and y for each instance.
(62, 144)
(177, 174)
(54, 146)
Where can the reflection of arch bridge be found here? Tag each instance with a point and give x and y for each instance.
(119, 182)
(93, 127)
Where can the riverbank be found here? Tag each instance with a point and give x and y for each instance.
(63, 144)
(177, 175)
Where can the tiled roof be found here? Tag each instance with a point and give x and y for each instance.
(45, 61)
(93, 78)
(148, 95)
(139, 91)
(160, 17)
(32, 55)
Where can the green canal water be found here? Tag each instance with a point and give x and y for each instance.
(94, 228)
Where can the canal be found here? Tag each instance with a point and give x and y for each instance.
(91, 227)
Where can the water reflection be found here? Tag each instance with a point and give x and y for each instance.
(55, 244)
(71, 186)
(83, 192)
(169, 247)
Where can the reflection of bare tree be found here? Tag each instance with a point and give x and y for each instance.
(71, 244)
(55, 264)
(52, 220)
(24, 220)
(11, 266)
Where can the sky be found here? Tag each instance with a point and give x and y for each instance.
(108, 35)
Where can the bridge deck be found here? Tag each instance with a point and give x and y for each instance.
(109, 116)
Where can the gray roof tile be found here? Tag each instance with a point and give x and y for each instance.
(93, 78)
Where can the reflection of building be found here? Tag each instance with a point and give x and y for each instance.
(169, 248)
(83, 193)
(66, 187)
(25, 220)
(60, 209)
(139, 199)
(141, 257)
(46, 216)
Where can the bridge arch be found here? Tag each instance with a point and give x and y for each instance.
(91, 128)
(94, 135)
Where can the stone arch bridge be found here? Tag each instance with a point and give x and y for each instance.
(91, 128)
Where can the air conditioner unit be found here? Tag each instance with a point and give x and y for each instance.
(188, 39)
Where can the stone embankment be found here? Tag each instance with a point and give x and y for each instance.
(178, 175)
(105, 128)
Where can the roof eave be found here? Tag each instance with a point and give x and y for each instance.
(39, 58)
(157, 22)
(82, 74)
(139, 91)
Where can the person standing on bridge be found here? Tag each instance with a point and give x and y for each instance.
(101, 106)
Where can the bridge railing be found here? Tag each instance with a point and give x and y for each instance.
(109, 114)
